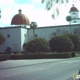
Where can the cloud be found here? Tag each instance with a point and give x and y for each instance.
(41, 16)
(34, 10)
(38, 15)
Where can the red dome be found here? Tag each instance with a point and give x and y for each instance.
(73, 9)
(20, 19)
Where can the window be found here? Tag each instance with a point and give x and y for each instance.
(8, 35)
(74, 15)
(35, 35)
(74, 21)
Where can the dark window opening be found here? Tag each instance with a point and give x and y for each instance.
(8, 35)
(74, 15)
(35, 35)
(74, 21)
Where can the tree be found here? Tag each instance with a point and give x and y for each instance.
(78, 47)
(61, 44)
(68, 18)
(37, 45)
(33, 25)
(2, 39)
(51, 3)
(56, 4)
(75, 40)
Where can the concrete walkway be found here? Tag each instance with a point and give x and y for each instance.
(16, 63)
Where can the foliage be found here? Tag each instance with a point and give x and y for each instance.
(53, 3)
(75, 40)
(2, 39)
(41, 56)
(37, 45)
(68, 18)
(4, 57)
(50, 3)
(78, 47)
(24, 45)
(61, 44)
(33, 25)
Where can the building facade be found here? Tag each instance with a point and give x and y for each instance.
(21, 33)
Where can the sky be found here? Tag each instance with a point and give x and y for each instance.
(34, 10)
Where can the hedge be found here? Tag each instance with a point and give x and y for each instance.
(4, 57)
(41, 56)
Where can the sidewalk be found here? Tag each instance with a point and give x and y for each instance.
(16, 63)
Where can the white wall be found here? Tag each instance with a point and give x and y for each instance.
(48, 32)
(24, 38)
(30, 34)
(77, 21)
(76, 29)
(19, 36)
(14, 41)
(76, 14)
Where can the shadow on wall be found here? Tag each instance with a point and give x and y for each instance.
(15, 47)
(58, 32)
(76, 31)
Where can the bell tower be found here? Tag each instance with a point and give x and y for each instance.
(74, 14)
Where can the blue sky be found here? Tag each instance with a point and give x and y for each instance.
(33, 9)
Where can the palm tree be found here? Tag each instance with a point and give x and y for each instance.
(68, 18)
(33, 25)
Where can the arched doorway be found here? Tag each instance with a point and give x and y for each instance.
(8, 50)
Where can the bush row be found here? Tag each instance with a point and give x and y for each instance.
(4, 57)
(62, 43)
(36, 56)
(41, 56)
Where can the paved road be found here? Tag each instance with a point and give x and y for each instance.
(44, 69)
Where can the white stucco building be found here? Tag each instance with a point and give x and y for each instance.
(20, 33)
(74, 13)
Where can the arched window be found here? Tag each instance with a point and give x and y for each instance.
(8, 35)
(74, 21)
(74, 15)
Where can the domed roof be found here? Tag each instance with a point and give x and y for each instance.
(20, 19)
(73, 9)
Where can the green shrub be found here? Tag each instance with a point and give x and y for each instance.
(41, 56)
(78, 47)
(61, 44)
(37, 45)
(75, 40)
(67, 54)
(4, 57)
(17, 56)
